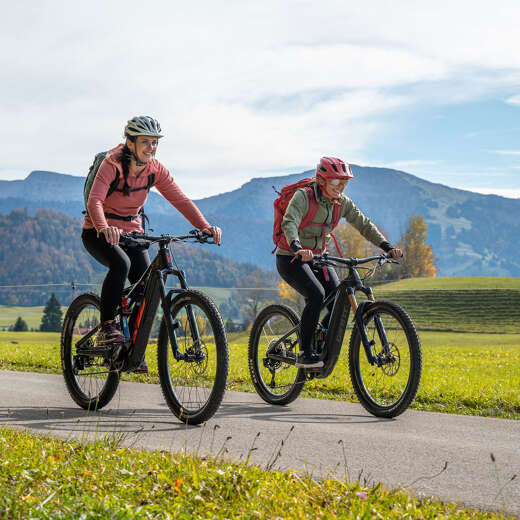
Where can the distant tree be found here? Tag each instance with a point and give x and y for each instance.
(419, 259)
(51, 319)
(290, 296)
(254, 296)
(231, 326)
(20, 325)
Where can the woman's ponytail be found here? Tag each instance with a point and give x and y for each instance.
(125, 163)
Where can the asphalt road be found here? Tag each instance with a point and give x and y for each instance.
(320, 437)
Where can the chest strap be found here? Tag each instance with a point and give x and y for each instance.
(120, 217)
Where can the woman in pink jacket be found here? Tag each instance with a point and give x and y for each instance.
(108, 216)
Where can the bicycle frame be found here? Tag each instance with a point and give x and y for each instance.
(345, 292)
(144, 296)
(155, 293)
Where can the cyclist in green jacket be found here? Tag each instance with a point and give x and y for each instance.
(314, 284)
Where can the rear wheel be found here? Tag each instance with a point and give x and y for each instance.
(193, 388)
(276, 381)
(388, 387)
(86, 367)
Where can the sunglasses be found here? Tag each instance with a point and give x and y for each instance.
(337, 182)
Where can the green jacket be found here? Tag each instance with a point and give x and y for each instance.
(310, 237)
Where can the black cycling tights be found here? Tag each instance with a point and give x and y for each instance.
(122, 263)
(311, 284)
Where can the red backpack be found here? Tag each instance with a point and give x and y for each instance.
(280, 207)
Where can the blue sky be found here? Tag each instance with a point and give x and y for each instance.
(246, 89)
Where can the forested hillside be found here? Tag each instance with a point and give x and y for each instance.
(47, 248)
(470, 233)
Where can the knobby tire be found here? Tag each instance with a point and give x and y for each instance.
(270, 324)
(389, 390)
(90, 392)
(194, 390)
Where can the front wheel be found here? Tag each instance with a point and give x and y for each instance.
(276, 381)
(388, 387)
(86, 366)
(193, 388)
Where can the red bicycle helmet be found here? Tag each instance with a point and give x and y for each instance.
(333, 168)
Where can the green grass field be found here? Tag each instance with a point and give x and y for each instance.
(32, 315)
(458, 304)
(473, 374)
(465, 310)
(453, 283)
(49, 478)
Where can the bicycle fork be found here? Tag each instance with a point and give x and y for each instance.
(380, 328)
(171, 325)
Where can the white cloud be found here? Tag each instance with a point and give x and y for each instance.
(505, 152)
(513, 100)
(503, 192)
(240, 88)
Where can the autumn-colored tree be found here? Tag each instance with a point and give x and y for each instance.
(418, 256)
(200, 321)
(352, 243)
(290, 296)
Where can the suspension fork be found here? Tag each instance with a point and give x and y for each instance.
(359, 310)
(358, 317)
(195, 335)
(171, 325)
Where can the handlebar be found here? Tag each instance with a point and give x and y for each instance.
(325, 259)
(143, 239)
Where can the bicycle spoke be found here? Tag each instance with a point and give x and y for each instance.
(388, 386)
(194, 386)
(276, 381)
(87, 374)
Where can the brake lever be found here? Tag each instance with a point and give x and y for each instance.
(201, 237)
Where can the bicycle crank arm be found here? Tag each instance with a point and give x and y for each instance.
(86, 338)
(95, 352)
(290, 359)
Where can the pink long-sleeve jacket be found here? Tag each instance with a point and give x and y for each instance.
(119, 204)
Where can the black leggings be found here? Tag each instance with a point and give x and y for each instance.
(122, 263)
(311, 284)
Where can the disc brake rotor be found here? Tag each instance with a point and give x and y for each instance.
(390, 361)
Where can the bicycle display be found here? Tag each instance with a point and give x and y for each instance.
(384, 354)
(192, 350)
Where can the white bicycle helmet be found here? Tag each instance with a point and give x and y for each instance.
(143, 125)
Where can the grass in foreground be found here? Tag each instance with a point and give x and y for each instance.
(49, 478)
(472, 374)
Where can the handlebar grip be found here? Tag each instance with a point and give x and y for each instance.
(202, 237)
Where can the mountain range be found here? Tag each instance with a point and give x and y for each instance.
(470, 233)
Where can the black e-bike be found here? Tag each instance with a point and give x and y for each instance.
(384, 355)
(192, 350)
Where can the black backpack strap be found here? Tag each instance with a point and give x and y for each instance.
(114, 184)
(149, 183)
